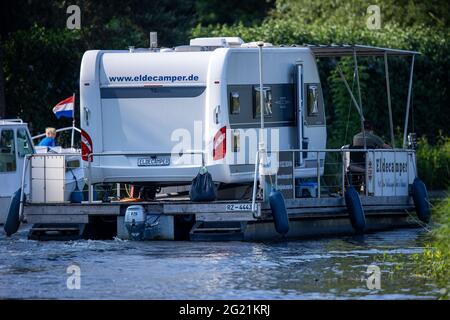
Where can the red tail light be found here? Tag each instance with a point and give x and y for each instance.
(220, 144)
(86, 146)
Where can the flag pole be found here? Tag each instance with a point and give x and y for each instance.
(73, 123)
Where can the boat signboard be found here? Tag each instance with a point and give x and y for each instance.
(390, 173)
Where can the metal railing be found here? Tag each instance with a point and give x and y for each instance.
(143, 153)
(57, 130)
(341, 172)
(324, 177)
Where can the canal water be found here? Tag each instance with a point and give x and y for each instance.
(331, 268)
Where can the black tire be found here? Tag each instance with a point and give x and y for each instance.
(355, 210)
(279, 212)
(420, 197)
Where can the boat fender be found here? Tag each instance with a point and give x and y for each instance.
(279, 212)
(76, 196)
(12, 223)
(355, 210)
(420, 197)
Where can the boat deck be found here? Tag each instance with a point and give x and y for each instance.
(232, 219)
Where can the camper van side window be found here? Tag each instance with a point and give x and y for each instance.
(7, 151)
(24, 145)
(235, 105)
(267, 99)
(236, 147)
(313, 100)
(315, 114)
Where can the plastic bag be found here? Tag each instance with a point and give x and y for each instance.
(202, 187)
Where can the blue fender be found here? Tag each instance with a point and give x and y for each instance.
(12, 223)
(279, 212)
(420, 197)
(76, 196)
(355, 210)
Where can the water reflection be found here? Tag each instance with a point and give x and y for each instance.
(314, 269)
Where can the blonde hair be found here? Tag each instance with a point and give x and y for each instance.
(50, 131)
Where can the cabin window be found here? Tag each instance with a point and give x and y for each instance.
(313, 100)
(235, 105)
(267, 100)
(7, 151)
(24, 145)
(314, 111)
(236, 147)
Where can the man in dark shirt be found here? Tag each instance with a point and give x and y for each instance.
(357, 167)
(372, 140)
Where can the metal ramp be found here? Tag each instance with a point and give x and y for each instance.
(56, 231)
(218, 231)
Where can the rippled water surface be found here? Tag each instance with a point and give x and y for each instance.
(332, 268)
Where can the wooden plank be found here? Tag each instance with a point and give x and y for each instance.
(57, 218)
(216, 229)
(337, 202)
(97, 209)
(193, 208)
(225, 216)
(55, 229)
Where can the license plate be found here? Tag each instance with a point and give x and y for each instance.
(154, 161)
(238, 207)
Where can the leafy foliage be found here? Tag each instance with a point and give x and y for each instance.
(434, 162)
(430, 104)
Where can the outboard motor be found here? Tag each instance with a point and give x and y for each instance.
(135, 217)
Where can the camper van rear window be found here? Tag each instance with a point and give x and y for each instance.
(235, 105)
(151, 92)
(267, 100)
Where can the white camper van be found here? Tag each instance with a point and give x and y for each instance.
(146, 114)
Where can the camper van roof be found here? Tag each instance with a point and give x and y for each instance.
(216, 42)
(359, 50)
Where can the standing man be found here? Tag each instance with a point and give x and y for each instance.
(49, 140)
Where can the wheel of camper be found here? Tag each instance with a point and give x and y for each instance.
(420, 197)
(279, 212)
(355, 210)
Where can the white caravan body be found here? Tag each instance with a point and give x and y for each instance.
(152, 109)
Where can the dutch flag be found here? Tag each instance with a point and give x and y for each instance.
(65, 108)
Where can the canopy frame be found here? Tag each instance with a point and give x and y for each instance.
(334, 51)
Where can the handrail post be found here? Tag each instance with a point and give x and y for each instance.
(343, 172)
(382, 174)
(395, 174)
(254, 182)
(408, 102)
(293, 175)
(22, 184)
(366, 177)
(89, 180)
(318, 174)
